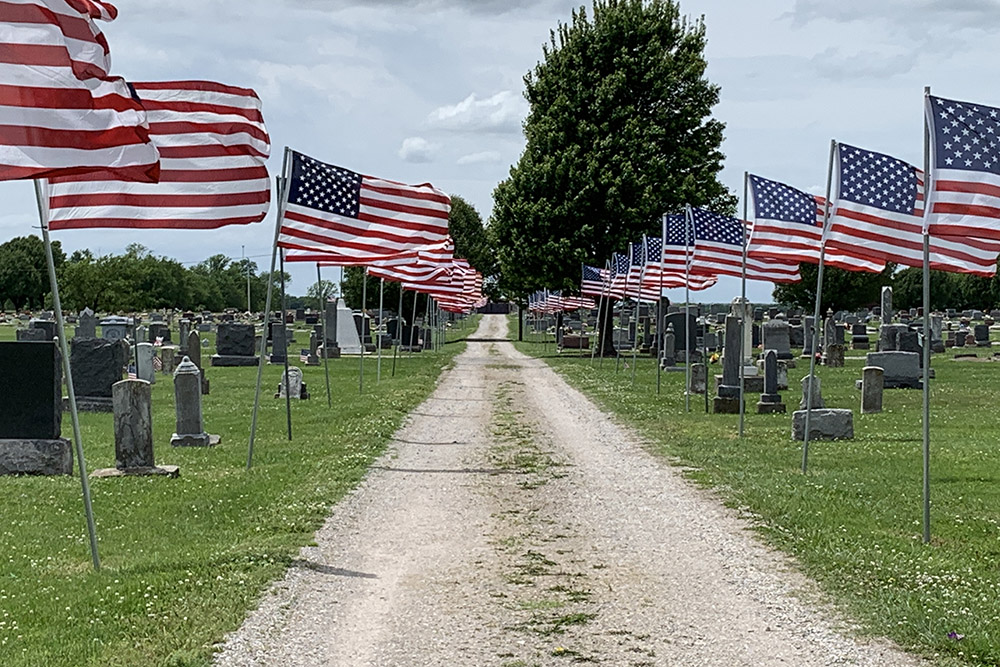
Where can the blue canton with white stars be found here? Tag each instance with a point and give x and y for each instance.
(877, 180)
(621, 264)
(710, 226)
(777, 201)
(654, 249)
(966, 135)
(324, 187)
(638, 254)
(591, 273)
(677, 232)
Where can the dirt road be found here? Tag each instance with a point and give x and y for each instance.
(511, 523)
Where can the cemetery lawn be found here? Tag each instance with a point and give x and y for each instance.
(854, 522)
(184, 560)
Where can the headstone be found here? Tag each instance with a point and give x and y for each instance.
(807, 336)
(710, 341)
(144, 354)
(187, 404)
(901, 369)
(234, 345)
(48, 326)
(183, 331)
(817, 393)
(728, 400)
(886, 304)
(699, 378)
(824, 424)
(888, 336)
(133, 408)
(667, 356)
(742, 308)
(194, 354)
(141, 333)
(31, 335)
(871, 389)
(859, 337)
(279, 343)
(31, 418)
(936, 328)
(114, 331)
(833, 344)
(312, 359)
(97, 365)
(770, 399)
(296, 387)
(159, 330)
(347, 332)
(168, 359)
(86, 326)
(685, 329)
(982, 335)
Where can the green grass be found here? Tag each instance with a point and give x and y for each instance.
(185, 559)
(854, 521)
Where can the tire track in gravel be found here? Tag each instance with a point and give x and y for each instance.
(513, 524)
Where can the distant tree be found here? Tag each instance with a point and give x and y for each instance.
(24, 274)
(842, 290)
(322, 290)
(471, 240)
(619, 132)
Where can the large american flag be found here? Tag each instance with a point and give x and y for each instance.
(63, 113)
(594, 281)
(342, 217)
(788, 226)
(879, 212)
(718, 251)
(212, 144)
(965, 169)
(678, 250)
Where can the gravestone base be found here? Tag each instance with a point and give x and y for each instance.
(154, 471)
(834, 356)
(26, 456)
(230, 360)
(411, 348)
(276, 359)
(752, 384)
(722, 405)
(332, 353)
(860, 344)
(195, 440)
(89, 404)
(770, 404)
(824, 424)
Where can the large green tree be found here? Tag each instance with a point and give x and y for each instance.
(465, 225)
(619, 132)
(24, 277)
(842, 290)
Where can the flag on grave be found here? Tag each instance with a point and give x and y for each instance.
(63, 112)
(878, 212)
(212, 144)
(354, 219)
(965, 169)
(788, 225)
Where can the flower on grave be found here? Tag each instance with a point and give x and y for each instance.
(954, 635)
(714, 359)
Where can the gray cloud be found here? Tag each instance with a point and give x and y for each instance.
(417, 150)
(925, 14)
(482, 157)
(834, 64)
(502, 113)
(479, 7)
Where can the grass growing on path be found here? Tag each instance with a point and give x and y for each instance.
(854, 521)
(185, 559)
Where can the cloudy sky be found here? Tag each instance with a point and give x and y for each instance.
(431, 90)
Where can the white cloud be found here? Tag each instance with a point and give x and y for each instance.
(483, 157)
(417, 149)
(503, 113)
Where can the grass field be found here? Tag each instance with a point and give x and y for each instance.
(184, 559)
(854, 521)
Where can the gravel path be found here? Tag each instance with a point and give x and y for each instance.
(511, 523)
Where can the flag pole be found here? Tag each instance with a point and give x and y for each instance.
(282, 202)
(638, 302)
(322, 309)
(743, 308)
(364, 302)
(600, 304)
(413, 320)
(71, 393)
(398, 342)
(927, 339)
(378, 330)
(687, 313)
(284, 309)
(661, 315)
(819, 295)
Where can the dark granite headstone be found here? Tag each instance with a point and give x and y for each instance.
(159, 330)
(30, 390)
(97, 365)
(234, 345)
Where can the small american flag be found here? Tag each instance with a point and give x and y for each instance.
(157, 363)
(965, 169)
(594, 281)
(63, 113)
(879, 212)
(303, 357)
(131, 372)
(341, 217)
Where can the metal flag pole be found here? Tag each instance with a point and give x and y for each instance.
(364, 302)
(284, 309)
(819, 296)
(322, 313)
(743, 307)
(618, 354)
(378, 330)
(398, 341)
(661, 314)
(687, 312)
(71, 393)
(413, 322)
(282, 202)
(638, 301)
(427, 323)
(600, 304)
(927, 339)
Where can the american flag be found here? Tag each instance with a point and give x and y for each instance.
(342, 217)
(637, 263)
(415, 266)
(62, 112)
(879, 212)
(303, 357)
(678, 249)
(965, 169)
(788, 226)
(212, 144)
(619, 274)
(718, 251)
(594, 281)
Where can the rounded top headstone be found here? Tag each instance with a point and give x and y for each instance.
(186, 367)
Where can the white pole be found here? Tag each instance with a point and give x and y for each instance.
(743, 306)
(819, 296)
(282, 202)
(322, 313)
(927, 340)
(64, 352)
(687, 312)
(378, 331)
